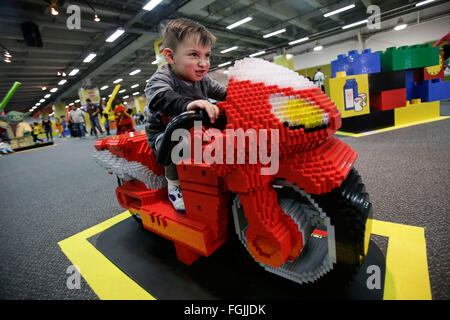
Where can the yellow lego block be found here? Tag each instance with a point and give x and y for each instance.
(350, 94)
(416, 112)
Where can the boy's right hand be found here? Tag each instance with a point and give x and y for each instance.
(212, 110)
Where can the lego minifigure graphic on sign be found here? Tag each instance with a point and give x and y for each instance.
(360, 102)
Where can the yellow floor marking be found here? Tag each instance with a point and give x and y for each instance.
(406, 263)
(107, 281)
(364, 134)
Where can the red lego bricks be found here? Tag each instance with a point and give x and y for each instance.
(387, 100)
(298, 122)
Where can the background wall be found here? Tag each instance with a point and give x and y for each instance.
(307, 61)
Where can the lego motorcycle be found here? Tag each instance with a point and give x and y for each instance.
(308, 218)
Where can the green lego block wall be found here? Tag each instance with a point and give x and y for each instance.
(409, 57)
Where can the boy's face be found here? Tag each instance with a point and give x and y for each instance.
(190, 61)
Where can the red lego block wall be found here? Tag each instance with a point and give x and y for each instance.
(387, 100)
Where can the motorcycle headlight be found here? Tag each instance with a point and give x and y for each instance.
(297, 112)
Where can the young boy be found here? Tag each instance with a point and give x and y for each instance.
(181, 85)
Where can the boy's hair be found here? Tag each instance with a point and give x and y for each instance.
(179, 29)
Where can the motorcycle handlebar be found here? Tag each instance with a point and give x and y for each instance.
(183, 121)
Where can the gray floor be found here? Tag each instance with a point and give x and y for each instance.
(52, 193)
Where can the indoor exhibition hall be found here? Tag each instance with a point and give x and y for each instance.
(254, 151)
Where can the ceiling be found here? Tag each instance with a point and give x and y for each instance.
(63, 49)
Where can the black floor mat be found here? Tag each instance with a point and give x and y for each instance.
(228, 273)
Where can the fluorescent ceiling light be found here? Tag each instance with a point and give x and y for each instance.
(354, 24)
(318, 48)
(90, 57)
(257, 54)
(400, 27)
(44, 88)
(155, 62)
(298, 41)
(118, 80)
(53, 11)
(274, 33)
(135, 85)
(225, 64)
(339, 10)
(62, 82)
(122, 91)
(104, 87)
(115, 35)
(76, 101)
(423, 3)
(135, 94)
(42, 100)
(151, 5)
(229, 49)
(125, 97)
(238, 23)
(74, 72)
(54, 90)
(47, 96)
(132, 73)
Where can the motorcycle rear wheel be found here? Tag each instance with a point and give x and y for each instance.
(343, 212)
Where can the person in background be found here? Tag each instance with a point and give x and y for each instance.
(35, 131)
(93, 111)
(83, 120)
(47, 124)
(5, 148)
(122, 117)
(319, 78)
(141, 117)
(59, 126)
(65, 126)
(76, 117)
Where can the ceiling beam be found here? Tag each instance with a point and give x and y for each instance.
(281, 13)
(316, 4)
